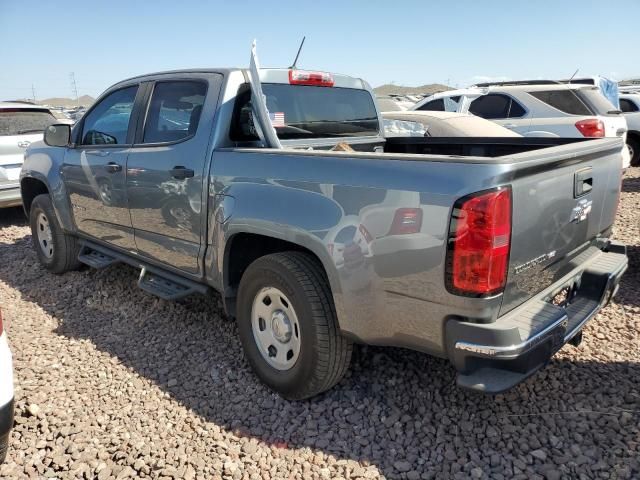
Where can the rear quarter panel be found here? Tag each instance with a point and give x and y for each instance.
(388, 289)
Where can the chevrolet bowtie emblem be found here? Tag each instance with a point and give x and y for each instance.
(581, 211)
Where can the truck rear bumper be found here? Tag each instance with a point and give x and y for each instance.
(494, 357)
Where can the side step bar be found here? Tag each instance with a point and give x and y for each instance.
(156, 281)
(94, 258)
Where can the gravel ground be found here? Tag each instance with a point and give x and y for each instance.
(114, 383)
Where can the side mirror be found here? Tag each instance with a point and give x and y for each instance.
(58, 135)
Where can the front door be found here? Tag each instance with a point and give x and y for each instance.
(166, 171)
(94, 170)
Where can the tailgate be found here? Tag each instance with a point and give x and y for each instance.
(563, 199)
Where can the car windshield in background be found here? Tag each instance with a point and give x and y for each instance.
(302, 111)
(14, 121)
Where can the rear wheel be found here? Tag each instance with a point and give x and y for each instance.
(634, 151)
(288, 326)
(57, 251)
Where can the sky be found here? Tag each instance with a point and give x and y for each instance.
(403, 42)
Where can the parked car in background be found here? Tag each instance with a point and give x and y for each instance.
(545, 108)
(6, 391)
(441, 124)
(451, 100)
(62, 117)
(630, 107)
(20, 125)
(227, 180)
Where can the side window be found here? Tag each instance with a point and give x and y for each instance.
(516, 110)
(627, 105)
(491, 106)
(434, 105)
(566, 101)
(174, 111)
(108, 122)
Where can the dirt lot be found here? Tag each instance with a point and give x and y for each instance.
(114, 383)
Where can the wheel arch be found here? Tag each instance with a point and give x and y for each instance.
(244, 247)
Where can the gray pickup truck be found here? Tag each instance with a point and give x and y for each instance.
(490, 252)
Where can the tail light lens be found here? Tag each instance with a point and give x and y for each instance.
(591, 127)
(479, 243)
(406, 221)
(303, 77)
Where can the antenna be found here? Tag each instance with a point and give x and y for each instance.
(33, 92)
(298, 54)
(574, 74)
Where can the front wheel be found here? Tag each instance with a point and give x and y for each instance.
(57, 251)
(634, 151)
(288, 325)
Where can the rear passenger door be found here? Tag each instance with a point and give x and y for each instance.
(503, 110)
(167, 170)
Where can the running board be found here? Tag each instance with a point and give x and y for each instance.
(95, 259)
(163, 287)
(154, 280)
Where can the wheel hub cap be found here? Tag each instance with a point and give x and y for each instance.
(275, 327)
(45, 237)
(281, 326)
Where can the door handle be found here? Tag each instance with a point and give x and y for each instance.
(181, 172)
(113, 167)
(510, 125)
(583, 182)
(98, 153)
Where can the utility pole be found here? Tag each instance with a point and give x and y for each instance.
(74, 87)
(33, 93)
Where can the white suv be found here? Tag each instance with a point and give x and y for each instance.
(538, 109)
(6, 392)
(630, 106)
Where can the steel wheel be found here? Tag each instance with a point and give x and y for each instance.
(275, 328)
(45, 237)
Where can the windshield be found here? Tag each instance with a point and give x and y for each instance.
(302, 111)
(14, 121)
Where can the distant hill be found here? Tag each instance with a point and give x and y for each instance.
(390, 89)
(84, 100)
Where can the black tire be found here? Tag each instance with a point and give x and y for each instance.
(324, 354)
(4, 447)
(65, 247)
(634, 145)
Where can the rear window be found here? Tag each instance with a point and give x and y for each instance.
(302, 111)
(16, 121)
(598, 102)
(567, 101)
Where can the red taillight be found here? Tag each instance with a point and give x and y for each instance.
(318, 79)
(406, 221)
(479, 242)
(591, 127)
